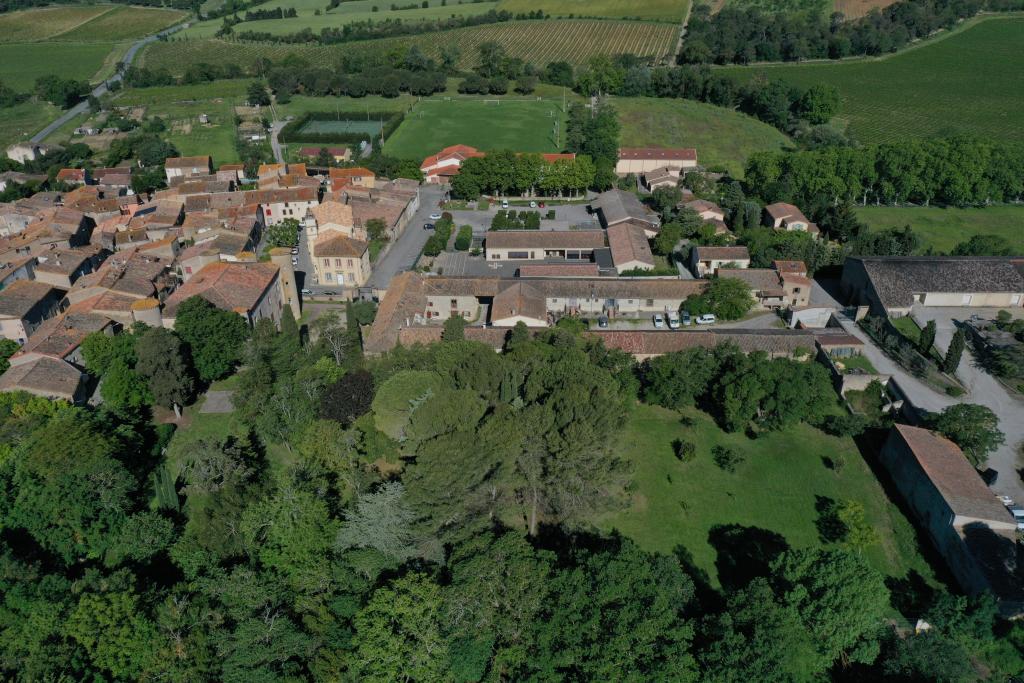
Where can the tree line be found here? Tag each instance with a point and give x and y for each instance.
(421, 516)
(745, 34)
(955, 171)
(507, 172)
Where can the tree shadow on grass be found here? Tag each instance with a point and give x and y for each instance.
(831, 528)
(744, 553)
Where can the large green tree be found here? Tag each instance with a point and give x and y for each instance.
(974, 428)
(161, 361)
(215, 337)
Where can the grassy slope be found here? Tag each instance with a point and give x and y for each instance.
(721, 136)
(124, 23)
(775, 489)
(522, 126)
(663, 10)
(346, 15)
(943, 229)
(968, 82)
(20, 122)
(21, 64)
(39, 24)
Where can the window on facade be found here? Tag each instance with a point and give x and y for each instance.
(337, 263)
(327, 263)
(350, 263)
(519, 254)
(455, 303)
(650, 302)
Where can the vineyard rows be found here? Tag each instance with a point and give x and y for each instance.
(538, 42)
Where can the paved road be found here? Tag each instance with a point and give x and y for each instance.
(403, 253)
(275, 145)
(101, 89)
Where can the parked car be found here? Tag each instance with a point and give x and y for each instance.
(1017, 513)
(295, 251)
(504, 203)
(330, 292)
(435, 216)
(428, 226)
(673, 320)
(659, 320)
(706, 319)
(602, 321)
(686, 318)
(1005, 500)
(540, 205)
(533, 205)
(307, 292)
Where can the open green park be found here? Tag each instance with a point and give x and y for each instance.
(969, 81)
(941, 229)
(782, 483)
(489, 125)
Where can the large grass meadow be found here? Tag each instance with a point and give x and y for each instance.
(942, 229)
(722, 137)
(518, 125)
(970, 81)
(779, 488)
(22, 63)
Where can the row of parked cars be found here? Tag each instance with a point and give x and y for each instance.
(673, 319)
(1015, 510)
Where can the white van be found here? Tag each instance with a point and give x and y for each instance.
(673, 320)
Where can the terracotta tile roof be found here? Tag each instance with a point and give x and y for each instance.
(228, 286)
(43, 376)
(617, 206)
(628, 243)
(72, 175)
(947, 467)
(702, 205)
(65, 261)
(59, 337)
(722, 253)
(544, 239)
(363, 211)
(782, 210)
(663, 153)
(519, 299)
(458, 152)
(403, 300)
(644, 343)
(764, 281)
(188, 162)
(231, 167)
(794, 267)
(335, 244)
(297, 194)
(21, 296)
(559, 270)
(357, 172)
(828, 339)
(332, 212)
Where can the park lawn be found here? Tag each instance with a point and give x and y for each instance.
(24, 120)
(776, 488)
(657, 10)
(856, 363)
(124, 23)
(302, 104)
(22, 63)
(335, 19)
(942, 229)
(722, 137)
(968, 81)
(42, 23)
(520, 126)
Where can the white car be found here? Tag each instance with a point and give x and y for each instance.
(1006, 500)
(504, 203)
(673, 320)
(659, 320)
(435, 216)
(533, 205)
(706, 319)
(307, 292)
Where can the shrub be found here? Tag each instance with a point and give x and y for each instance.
(464, 238)
(845, 425)
(685, 451)
(726, 458)
(551, 214)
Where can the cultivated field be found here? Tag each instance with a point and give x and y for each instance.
(943, 229)
(341, 15)
(84, 23)
(968, 82)
(775, 489)
(20, 122)
(518, 125)
(722, 137)
(538, 42)
(22, 63)
(655, 10)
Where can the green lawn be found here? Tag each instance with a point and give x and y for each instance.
(776, 488)
(906, 326)
(856, 363)
(20, 122)
(722, 137)
(942, 229)
(657, 10)
(521, 126)
(968, 82)
(22, 63)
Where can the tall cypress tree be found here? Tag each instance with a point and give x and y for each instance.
(927, 338)
(955, 351)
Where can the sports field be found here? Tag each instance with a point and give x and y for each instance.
(84, 23)
(943, 229)
(655, 10)
(22, 63)
(521, 126)
(722, 137)
(341, 127)
(969, 82)
(537, 42)
(677, 505)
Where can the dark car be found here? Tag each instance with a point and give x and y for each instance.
(329, 293)
(428, 226)
(602, 321)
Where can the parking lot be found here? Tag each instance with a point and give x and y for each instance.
(567, 217)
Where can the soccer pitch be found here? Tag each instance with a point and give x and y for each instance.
(488, 125)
